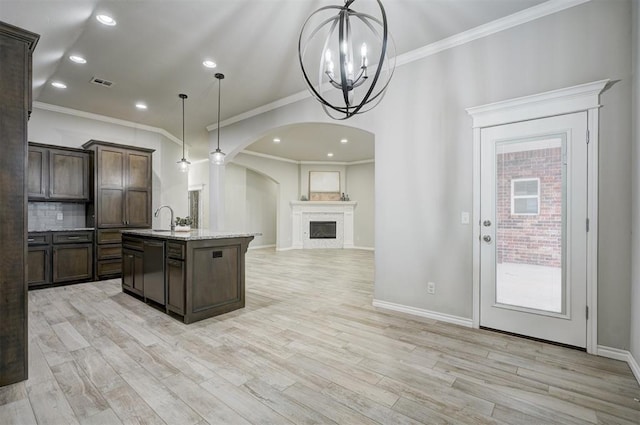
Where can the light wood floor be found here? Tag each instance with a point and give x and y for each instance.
(308, 348)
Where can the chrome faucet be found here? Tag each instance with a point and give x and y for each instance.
(173, 223)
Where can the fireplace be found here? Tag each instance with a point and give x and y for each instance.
(334, 220)
(322, 229)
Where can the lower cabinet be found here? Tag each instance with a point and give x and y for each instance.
(59, 257)
(39, 266)
(133, 271)
(72, 262)
(176, 275)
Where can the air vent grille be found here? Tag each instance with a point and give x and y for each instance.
(101, 82)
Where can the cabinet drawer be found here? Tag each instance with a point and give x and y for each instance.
(39, 239)
(175, 250)
(109, 252)
(109, 236)
(111, 268)
(132, 243)
(72, 237)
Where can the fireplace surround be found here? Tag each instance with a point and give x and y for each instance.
(306, 212)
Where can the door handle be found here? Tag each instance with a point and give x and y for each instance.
(486, 223)
(487, 238)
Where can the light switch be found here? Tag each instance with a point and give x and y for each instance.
(464, 217)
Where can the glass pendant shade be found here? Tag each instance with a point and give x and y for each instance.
(337, 44)
(217, 156)
(183, 164)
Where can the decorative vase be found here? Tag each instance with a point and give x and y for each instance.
(183, 228)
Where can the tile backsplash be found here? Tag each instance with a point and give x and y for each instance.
(56, 216)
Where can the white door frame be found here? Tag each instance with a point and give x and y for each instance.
(581, 98)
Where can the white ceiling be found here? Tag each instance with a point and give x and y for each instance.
(156, 51)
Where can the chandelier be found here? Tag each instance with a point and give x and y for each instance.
(328, 42)
(217, 156)
(183, 164)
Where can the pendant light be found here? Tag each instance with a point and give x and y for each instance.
(183, 164)
(217, 156)
(336, 43)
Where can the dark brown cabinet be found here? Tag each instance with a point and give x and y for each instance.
(193, 278)
(16, 50)
(59, 257)
(57, 174)
(122, 199)
(39, 259)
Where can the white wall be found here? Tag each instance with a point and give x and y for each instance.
(169, 185)
(423, 153)
(235, 198)
(286, 177)
(261, 212)
(635, 251)
(360, 188)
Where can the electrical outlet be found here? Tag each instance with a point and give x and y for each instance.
(431, 288)
(59, 216)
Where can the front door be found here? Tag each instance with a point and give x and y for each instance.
(533, 228)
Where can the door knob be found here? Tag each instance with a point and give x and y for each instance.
(486, 223)
(486, 238)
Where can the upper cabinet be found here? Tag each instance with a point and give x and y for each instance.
(122, 186)
(57, 174)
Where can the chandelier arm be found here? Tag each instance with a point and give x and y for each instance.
(383, 52)
(301, 53)
(344, 16)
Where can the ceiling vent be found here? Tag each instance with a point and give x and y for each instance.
(101, 82)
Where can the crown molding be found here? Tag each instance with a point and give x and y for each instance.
(292, 161)
(519, 18)
(104, 118)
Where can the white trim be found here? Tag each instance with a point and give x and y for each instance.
(580, 98)
(514, 196)
(262, 246)
(293, 161)
(622, 355)
(196, 187)
(556, 102)
(290, 248)
(104, 118)
(199, 161)
(519, 18)
(441, 317)
(364, 248)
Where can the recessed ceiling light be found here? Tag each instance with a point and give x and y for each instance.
(330, 154)
(106, 20)
(276, 140)
(141, 105)
(209, 63)
(59, 85)
(77, 59)
(343, 140)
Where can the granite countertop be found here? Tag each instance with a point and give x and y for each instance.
(192, 235)
(71, 229)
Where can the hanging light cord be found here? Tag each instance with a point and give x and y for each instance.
(183, 97)
(219, 77)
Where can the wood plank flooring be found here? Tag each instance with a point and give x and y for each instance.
(308, 349)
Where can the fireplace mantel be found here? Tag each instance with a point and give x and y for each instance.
(303, 212)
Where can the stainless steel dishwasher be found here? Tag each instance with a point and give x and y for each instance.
(154, 284)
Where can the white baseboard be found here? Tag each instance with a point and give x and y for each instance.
(441, 317)
(364, 248)
(262, 246)
(622, 355)
(289, 248)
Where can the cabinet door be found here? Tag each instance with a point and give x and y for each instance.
(216, 277)
(38, 267)
(153, 269)
(110, 196)
(37, 173)
(175, 285)
(132, 271)
(68, 175)
(72, 262)
(138, 207)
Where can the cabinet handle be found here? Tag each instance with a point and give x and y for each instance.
(73, 237)
(30, 240)
(217, 254)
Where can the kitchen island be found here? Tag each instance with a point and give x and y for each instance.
(193, 275)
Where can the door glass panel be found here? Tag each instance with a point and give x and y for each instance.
(530, 224)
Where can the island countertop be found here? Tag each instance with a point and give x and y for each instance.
(191, 235)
